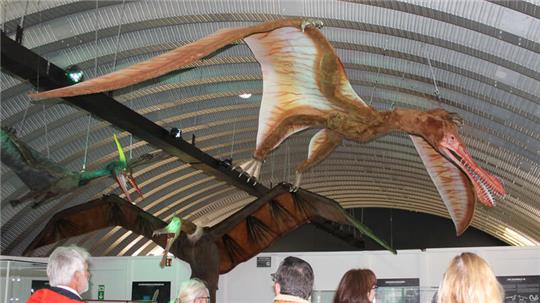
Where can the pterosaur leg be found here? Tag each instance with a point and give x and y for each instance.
(321, 145)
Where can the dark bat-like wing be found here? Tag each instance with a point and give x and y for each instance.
(100, 213)
(262, 222)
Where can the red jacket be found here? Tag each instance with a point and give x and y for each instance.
(49, 296)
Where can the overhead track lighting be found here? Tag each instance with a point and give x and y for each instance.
(176, 133)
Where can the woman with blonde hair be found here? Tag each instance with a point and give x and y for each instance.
(193, 291)
(469, 279)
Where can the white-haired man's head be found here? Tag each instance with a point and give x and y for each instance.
(68, 266)
(193, 291)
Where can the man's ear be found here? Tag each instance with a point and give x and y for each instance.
(74, 280)
(277, 288)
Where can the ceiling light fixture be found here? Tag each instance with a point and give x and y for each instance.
(74, 74)
(245, 96)
(175, 133)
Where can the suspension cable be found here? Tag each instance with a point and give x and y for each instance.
(118, 34)
(86, 143)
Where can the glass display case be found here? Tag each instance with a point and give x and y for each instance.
(18, 279)
(386, 294)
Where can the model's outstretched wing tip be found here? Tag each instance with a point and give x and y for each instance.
(65, 223)
(369, 233)
(169, 61)
(40, 96)
(340, 212)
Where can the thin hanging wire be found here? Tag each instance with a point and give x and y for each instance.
(37, 69)
(375, 85)
(272, 169)
(3, 25)
(96, 23)
(391, 229)
(288, 161)
(233, 138)
(285, 162)
(196, 116)
(437, 92)
(21, 23)
(118, 35)
(86, 143)
(402, 88)
(24, 118)
(130, 146)
(197, 104)
(46, 133)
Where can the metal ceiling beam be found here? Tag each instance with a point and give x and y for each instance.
(28, 65)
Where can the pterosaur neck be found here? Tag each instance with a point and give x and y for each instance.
(92, 174)
(406, 120)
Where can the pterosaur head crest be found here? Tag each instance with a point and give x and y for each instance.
(458, 121)
(441, 131)
(122, 173)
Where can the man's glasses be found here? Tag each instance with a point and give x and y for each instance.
(207, 299)
(197, 299)
(374, 287)
(274, 277)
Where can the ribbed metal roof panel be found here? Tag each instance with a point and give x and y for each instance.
(489, 79)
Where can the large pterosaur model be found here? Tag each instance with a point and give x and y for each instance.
(48, 180)
(209, 250)
(305, 86)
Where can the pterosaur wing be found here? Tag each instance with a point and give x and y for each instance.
(452, 184)
(34, 169)
(100, 213)
(262, 222)
(302, 77)
(166, 62)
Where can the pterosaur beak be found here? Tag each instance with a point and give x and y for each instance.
(485, 184)
(121, 180)
(134, 184)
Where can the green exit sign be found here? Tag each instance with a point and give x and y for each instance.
(101, 292)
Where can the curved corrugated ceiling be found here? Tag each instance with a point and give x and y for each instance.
(482, 55)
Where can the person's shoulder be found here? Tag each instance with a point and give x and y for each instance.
(46, 295)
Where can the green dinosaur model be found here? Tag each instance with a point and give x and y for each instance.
(48, 180)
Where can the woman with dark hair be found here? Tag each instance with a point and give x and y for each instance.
(356, 286)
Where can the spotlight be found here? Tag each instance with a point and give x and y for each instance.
(245, 96)
(74, 74)
(227, 162)
(175, 133)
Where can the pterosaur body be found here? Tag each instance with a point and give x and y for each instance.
(171, 231)
(305, 86)
(48, 180)
(210, 251)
